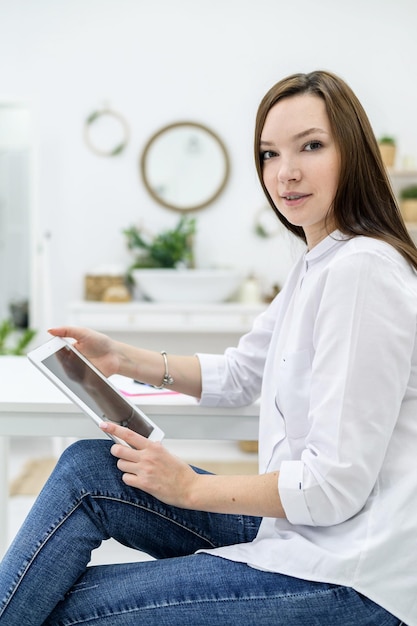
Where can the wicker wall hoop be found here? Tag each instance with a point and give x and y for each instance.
(267, 223)
(92, 121)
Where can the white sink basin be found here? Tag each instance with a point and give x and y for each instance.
(187, 285)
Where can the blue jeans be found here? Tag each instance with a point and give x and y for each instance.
(44, 578)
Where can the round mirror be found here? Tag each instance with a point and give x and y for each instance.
(185, 166)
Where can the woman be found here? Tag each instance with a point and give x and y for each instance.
(327, 532)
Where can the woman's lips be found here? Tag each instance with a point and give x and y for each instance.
(294, 199)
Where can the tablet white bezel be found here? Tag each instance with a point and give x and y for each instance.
(39, 354)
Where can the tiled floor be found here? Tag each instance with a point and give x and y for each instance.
(110, 551)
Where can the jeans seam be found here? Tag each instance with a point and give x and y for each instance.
(194, 602)
(161, 606)
(41, 545)
(162, 515)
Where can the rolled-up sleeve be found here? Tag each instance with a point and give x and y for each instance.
(290, 485)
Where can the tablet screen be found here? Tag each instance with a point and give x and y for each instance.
(94, 392)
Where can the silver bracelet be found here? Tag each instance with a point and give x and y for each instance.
(167, 379)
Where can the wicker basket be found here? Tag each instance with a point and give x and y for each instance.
(248, 445)
(96, 286)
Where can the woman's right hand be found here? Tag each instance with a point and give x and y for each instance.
(115, 357)
(96, 347)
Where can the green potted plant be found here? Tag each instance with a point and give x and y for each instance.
(160, 257)
(387, 147)
(13, 340)
(170, 249)
(163, 269)
(408, 203)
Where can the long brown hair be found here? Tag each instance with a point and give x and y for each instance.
(364, 203)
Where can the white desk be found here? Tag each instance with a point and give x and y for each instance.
(30, 405)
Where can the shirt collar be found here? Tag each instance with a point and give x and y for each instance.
(325, 246)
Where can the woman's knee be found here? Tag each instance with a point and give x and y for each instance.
(85, 456)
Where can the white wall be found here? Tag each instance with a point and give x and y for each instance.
(159, 61)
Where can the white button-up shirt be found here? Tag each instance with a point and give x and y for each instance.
(334, 358)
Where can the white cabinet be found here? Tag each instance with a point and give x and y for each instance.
(176, 328)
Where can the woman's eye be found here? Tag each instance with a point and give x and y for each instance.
(267, 154)
(313, 145)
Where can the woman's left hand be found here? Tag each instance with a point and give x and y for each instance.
(149, 466)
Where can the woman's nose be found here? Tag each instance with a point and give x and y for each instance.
(288, 171)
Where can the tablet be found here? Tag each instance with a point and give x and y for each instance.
(86, 386)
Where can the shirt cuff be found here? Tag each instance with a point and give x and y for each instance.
(291, 492)
(212, 367)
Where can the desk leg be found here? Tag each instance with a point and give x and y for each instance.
(4, 493)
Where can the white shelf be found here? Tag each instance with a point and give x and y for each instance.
(402, 173)
(230, 317)
(402, 178)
